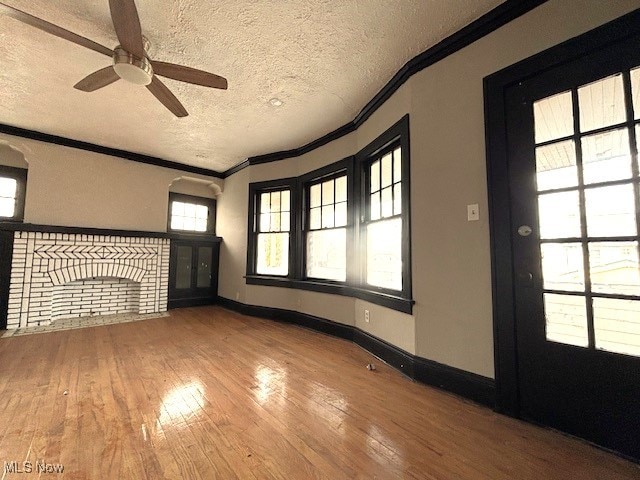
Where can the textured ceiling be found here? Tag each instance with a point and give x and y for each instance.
(325, 59)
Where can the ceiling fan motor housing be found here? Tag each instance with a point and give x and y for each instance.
(132, 69)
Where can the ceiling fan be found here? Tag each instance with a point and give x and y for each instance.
(130, 59)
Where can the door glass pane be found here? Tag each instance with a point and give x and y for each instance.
(606, 156)
(610, 211)
(617, 325)
(273, 254)
(384, 254)
(566, 319)
(183, 267)
(559, 215)
(204, 267)
(635, 88)
(601, 103)
(556, 166)
(563, 266)
(327, 254)
(553, 117)
(614, 267)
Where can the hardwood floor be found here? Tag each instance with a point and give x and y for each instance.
(207, 393)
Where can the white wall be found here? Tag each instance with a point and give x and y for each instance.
(72, 187)
(452, 320)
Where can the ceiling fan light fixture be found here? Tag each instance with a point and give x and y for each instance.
(132, 69)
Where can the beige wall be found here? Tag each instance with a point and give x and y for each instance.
(452, 320)
(71, 187)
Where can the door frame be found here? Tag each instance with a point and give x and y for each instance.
(502, 266)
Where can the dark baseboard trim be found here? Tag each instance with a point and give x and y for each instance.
(114, 152)
(469, 385)
(486, 24)
(190, 302)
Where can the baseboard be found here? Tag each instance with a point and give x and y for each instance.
(190, 302)
(465, 384)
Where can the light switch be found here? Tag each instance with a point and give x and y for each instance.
(473, 213)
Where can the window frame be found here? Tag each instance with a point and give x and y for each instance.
(357, 203)
(20, 176)
(255, 190)
(210, 203)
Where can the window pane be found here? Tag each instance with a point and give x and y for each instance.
(327, 192)
(387, 169)
(327, 254)
(273, 254)
(285, 221)
(384, 254)
(265, 220)
(7, 207)
(397, 199)
(204, 267)
(327, 216)
(375, 206)
(559, 215)
(315, 198)
(201, 225)
(202, 212)
(553, 117)
(265, 203)
(341, 189)
(375, 176)
(275, 202)
(387, 202)
(275, 222)
(177, 208)
(314, 218)
(285, 200)
(617, 325)
(606, 156)
(566, 319)
(563, 266)
(610, 211)
(177, 223)
(635, 87)
(189, 210)
(8, 187)
(397, 165)
(189, 223)
(615, 267)
(341, 214)
(556, 166)
(601, 103)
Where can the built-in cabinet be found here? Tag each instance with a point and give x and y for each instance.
(193, 271)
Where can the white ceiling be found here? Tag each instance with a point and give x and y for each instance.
(325, 59)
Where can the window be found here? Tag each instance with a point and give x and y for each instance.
(341, 229)
(326, 233)
(12, 193)
(191, 214)
(383, 220)
(270, 226)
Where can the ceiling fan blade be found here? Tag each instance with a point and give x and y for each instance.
(168, 99)
(189, 75)
(127, 24)
(101, 78)
(54, 29)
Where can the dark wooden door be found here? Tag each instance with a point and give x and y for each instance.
(193, 272)
(574, 182)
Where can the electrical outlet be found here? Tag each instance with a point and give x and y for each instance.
(366, 316)
(473, 213)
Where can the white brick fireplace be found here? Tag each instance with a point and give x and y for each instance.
(67, 275)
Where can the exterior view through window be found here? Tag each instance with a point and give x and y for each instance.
(274, 221)
(587, 141)
(189, 216)
(8, 191)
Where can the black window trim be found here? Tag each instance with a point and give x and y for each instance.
(355, 167)
(210, 203)
(20, 176)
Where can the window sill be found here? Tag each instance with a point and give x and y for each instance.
(393, 302)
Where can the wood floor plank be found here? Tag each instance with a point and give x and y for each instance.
(210, 394)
